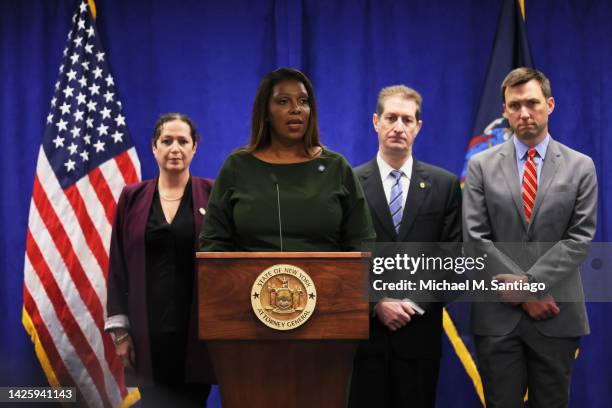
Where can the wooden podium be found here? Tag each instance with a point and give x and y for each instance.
(257, 366)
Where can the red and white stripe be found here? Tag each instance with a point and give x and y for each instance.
(530, 184)
(66, 267)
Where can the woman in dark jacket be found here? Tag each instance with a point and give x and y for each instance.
(151, 303)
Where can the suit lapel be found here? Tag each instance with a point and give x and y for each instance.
(200, 202)
(139, 215)
(418, 189)
(549, 170)
(197, 200)
(375, 194)
(142, 207)
(508, 165)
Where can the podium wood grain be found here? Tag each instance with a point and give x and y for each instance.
(257, 366)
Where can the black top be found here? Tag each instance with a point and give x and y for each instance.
(170, 265)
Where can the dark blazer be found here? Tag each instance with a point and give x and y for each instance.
(432, 214)
(126, 277)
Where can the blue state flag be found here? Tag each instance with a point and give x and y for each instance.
(510, 50)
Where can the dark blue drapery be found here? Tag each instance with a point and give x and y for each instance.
(206, 59)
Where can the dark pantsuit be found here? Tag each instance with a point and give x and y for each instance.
(400, 368)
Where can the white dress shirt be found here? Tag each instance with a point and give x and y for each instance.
(388, 180)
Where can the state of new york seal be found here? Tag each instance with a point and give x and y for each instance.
(283, 297)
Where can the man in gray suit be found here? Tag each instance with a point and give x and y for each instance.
(542, 196)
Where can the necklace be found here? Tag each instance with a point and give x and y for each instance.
(170, 199)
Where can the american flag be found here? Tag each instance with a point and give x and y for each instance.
(85, 160)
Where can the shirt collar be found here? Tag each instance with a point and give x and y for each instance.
(521, 148)
(385, 169)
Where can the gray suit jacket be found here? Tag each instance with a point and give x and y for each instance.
(563, 222)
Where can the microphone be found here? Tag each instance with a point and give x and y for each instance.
(280, 224)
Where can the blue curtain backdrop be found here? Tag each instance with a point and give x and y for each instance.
(205, 58)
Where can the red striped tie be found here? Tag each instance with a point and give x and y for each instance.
(530, 184)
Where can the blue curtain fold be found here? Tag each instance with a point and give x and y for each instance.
(206, 59)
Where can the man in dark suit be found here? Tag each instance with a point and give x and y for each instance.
(410, 201)
(541, 196)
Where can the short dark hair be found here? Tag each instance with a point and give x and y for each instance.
(260, 124)
(400, 90)
(522, 75)
(169, 117)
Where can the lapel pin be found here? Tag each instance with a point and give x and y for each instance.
(321, 168)
(422, 184)
(202, 211)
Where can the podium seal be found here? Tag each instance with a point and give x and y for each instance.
(283, 297)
